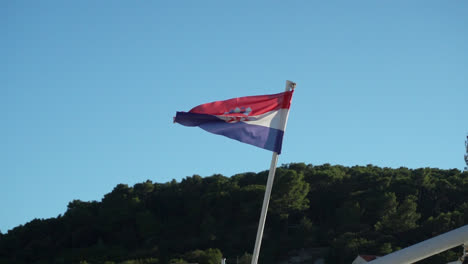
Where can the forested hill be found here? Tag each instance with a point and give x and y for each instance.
(335, 212)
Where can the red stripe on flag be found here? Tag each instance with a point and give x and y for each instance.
(246, 106)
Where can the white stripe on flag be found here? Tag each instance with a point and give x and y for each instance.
(270, 119)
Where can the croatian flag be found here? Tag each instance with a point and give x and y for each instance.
(256, 120)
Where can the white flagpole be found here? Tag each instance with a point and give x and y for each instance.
(271, 176)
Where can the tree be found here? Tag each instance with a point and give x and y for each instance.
(402, 219)
(289, 193)
(349, 210)
(348, 216)
(245, 259)
(177, 261)
(209, 256)
(213, 256)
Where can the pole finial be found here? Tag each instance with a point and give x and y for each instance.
(290, 85)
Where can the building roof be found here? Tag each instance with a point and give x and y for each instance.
(368, 257)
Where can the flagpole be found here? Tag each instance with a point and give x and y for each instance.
(271, 176)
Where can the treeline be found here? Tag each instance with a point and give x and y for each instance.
(344, 211)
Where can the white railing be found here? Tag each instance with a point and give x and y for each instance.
(427, 248)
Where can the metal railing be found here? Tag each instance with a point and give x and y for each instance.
(427, 248)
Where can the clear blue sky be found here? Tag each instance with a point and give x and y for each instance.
(88, 90)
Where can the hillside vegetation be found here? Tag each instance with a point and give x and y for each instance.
(345, 210)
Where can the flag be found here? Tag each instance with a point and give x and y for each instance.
(256, 120)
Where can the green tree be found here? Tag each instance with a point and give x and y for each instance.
(404, 218)
(346, 246)
(348, 216)
(245, 259)
(350, 210)
(177, 261)
(209, 256)
(289, 193)
(213, 256)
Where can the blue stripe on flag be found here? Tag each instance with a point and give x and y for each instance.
(260, 136)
